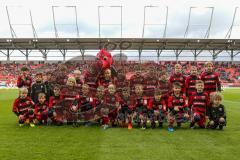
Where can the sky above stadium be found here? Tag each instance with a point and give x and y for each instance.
(132, 18)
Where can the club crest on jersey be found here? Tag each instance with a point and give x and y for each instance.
(113, 99)
(160, 106)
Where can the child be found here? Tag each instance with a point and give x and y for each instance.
(177, 107)
(48, 85)
(111, 103)
(157, 109)
(125, 110)
(70, 96)
(121, 79)
(190, 82)
(23, 108)
(85, 105)
(25, 80)
(140, 107)
(98, 101)
(107, 79)
(211, 79)
(54, 107)
(41, 109)
(177, 76)
(37, 87)
(137, 78)
(165, 86)
(79, 80)
(199, 103)
(217, 113)
(151, 82)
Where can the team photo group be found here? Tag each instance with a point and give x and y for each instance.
(109, 96)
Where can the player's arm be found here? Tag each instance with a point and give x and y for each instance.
(218, 83)
(15, 107)
(19, 82)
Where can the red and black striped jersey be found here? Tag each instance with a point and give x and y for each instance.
(179, 102)
(39, 108)
(190, 84)
(180, 79)
(211, 82)
(157, 105)
(97, 101)
(199, 102)
(20, 106)
(25, 82)
(53, 100)
(140, 101)
(166, 88)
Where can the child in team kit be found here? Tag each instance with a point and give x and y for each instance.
(111, 104)
(98, 103)
(125, 109)
(85, 105)
(23, 107)
(140, 107)
(199, 104)
(157, 109)
(70, 96)
(211, 79)
(177, 108)
(55, 108)
(25, 80)
(190, 83)
(177, 76)
(217, 113)
(41, 109)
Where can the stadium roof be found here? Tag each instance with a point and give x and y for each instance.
(120, 44)
(51, 29)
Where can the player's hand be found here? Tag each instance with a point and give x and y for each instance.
(186, 115)
(211, 123)
(20, 117)
(74, 108)
(176, 109)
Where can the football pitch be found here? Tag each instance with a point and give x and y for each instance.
(66, 142)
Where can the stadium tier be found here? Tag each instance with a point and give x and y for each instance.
(229, 73)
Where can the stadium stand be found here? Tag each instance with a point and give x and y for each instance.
(229, 72)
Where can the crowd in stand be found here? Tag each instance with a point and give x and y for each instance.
(229, 73)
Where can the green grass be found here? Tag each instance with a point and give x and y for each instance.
(65, 142)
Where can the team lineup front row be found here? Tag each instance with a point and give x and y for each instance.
(124, 109)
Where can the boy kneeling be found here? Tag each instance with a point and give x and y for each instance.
(217, 113)
(23, 108)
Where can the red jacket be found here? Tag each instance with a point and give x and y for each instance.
(157, 105)
(53, 100)
(179, 102)
(27, 82)
(20, 106)
(39, 108)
